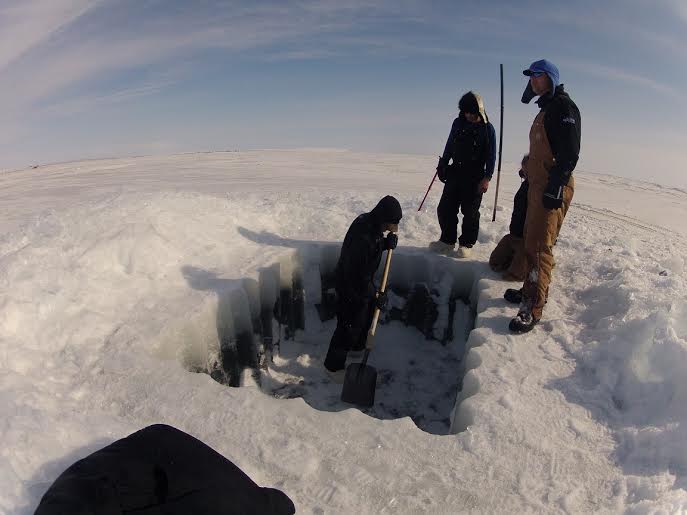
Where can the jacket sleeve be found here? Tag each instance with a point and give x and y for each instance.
(563, 128)
(448, 149)
(491, 151)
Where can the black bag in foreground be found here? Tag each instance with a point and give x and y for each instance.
(159, 470)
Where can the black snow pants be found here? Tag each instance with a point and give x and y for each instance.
(460, 193)
(352, 324)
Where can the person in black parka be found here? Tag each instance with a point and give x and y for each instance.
(356, 293)
(465, 168)
(159, 470)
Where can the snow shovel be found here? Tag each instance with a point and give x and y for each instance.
(360, 381)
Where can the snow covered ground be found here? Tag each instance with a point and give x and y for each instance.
(112, 273)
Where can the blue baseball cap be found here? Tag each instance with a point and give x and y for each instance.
(544, 66)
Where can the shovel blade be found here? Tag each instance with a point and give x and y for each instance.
(359, 385)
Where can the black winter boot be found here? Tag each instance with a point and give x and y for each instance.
(513, 296)
(523, 322)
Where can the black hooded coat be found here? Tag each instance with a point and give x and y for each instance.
(361, 253)
(360, 256)
(159, 470)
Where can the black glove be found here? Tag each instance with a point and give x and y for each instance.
(381, 300)
(442, 169)
(553, 194)
(390, 241)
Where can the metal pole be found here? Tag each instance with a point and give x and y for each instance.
(430, 187)
(498, 173)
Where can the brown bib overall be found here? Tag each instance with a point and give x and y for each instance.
(541, 225)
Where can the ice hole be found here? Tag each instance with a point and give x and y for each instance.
(272, 331)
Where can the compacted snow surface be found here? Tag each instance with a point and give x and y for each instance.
(113, 275)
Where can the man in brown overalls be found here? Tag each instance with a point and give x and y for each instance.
(554, 150)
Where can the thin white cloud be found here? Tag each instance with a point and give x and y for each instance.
(619, 22)
(679, 7)
(302, 55)
(58, 56)
(53, 53)
(25, 24)
(615, 74)
(89, 102)
(283, 31)
(34, 70)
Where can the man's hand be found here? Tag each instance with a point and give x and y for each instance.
(442, 169)
(390, 241)
(483, 185)
(553, 195)
(382, 300)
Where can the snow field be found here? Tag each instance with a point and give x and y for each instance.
(109, 291)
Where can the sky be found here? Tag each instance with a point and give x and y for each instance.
(88, 79)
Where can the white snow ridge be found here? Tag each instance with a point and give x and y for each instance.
(141, 291)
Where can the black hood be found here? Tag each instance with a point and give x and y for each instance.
(472, 102)
(388, 210)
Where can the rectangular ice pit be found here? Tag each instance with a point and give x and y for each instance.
(273, 331)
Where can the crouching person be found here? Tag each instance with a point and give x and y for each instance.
(509, 255)
(357, 295)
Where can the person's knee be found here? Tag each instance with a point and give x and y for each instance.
(500, 257)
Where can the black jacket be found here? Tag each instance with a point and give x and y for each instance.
(157, 470)
(472, 146)
(361, 254)
(563, 126)
(517, 219)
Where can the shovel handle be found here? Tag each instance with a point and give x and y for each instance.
(382, 288)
